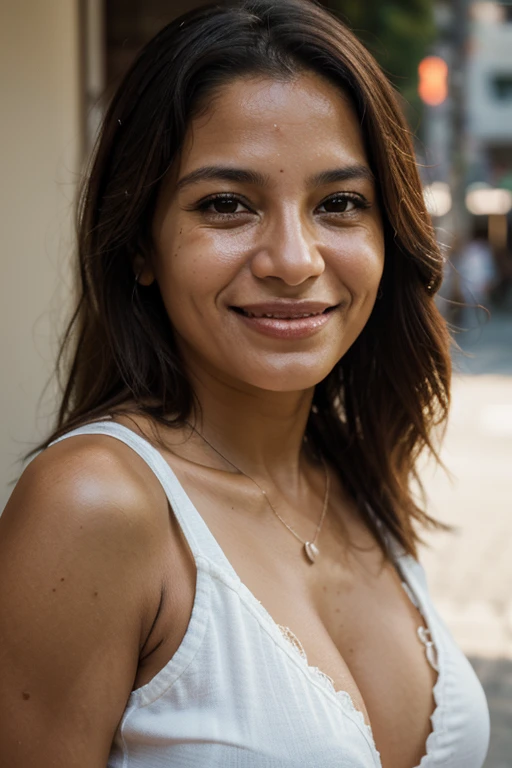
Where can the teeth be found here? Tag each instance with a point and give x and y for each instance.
(282, 317)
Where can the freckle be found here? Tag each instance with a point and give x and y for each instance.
(54, 590)
(324, 589)
(338, 610)
(281, 171)
(26, 696)
(95, 594)
(63, 579)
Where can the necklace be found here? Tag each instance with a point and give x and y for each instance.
(310, 547)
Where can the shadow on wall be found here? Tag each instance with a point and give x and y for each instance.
(496, 678)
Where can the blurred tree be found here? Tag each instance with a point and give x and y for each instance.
(399, 33)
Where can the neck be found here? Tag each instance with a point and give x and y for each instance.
(260, 432)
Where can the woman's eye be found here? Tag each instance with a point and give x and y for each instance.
(229, 206)
(341, 204)
(222, 205)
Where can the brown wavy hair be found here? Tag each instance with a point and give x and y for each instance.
(375, 412)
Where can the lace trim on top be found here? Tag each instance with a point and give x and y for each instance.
(344, 698)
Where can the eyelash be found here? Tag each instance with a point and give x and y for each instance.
(359, 202)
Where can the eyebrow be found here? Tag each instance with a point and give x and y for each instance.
(244, 176)
(347, 173)
(223, 173)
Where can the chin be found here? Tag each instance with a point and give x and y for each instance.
(286, 378)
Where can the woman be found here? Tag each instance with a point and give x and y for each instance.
(212, 561)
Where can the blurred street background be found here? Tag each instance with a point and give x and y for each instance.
(451, 63)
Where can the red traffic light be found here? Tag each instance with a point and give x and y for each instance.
(433, 82)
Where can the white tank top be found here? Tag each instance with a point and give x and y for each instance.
(238, 694)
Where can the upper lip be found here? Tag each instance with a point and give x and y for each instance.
(286, 308)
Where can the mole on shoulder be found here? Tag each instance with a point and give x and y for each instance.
(25, 695)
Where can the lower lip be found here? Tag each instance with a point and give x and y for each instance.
(278, 328)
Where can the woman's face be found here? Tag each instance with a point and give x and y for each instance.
(268, 238)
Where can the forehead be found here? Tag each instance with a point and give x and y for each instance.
(303, 118)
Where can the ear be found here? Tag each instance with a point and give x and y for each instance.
(144, 274)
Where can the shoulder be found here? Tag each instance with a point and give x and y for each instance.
(87, 474)
(88, 505)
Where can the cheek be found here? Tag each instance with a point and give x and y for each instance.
(360, 265)
(192, 270)
(200, 260)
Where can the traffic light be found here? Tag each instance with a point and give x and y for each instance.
(433, 80)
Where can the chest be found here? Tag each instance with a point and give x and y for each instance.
(353, 620)
(347, 614)
(239, 698)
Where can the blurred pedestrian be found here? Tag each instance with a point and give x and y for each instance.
(476, 268)
(501, 293)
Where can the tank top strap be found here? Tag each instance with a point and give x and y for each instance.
(197, 534)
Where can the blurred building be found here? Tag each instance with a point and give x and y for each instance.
(489, 94)
(489, 129)
(467, 147)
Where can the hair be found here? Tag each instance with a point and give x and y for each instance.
(375, 412)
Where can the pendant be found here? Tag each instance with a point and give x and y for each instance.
(311, 551)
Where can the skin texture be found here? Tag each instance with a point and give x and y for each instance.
(88, 524)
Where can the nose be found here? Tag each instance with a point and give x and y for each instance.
(289, 252)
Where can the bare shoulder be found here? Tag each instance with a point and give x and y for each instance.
(80, 574)
(90, 505)
(92, 470)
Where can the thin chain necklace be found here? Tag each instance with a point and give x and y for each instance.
(310, 547)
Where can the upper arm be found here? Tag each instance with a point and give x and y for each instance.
(77, 595)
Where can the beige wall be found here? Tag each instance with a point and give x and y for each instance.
(39, 157)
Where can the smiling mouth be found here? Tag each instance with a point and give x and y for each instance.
(282, 314)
